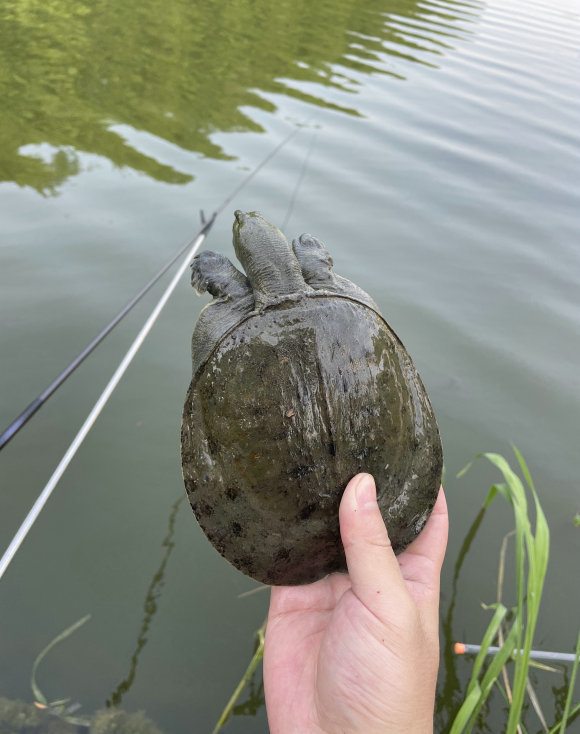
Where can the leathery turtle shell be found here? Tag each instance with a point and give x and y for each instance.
(288, 401)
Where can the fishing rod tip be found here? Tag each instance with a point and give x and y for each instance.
(459, 648)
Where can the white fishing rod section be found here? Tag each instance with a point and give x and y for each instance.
(95, 412)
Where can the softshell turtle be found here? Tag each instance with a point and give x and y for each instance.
(298, 384)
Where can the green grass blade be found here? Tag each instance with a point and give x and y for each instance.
(573, 711)
(257, 657)
(38, 695)
(571, 689)
(465, 469)
(464, 714)
(488, 638)
(524, 468)
(494, 670)
(537, 549)
(495, 489)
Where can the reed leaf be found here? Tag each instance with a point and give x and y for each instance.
(493, 671)
(257, 657)
(467, 707)
(571, 689)
(531, 562)
(488, 638)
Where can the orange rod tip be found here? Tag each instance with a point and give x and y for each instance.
(39, 705)
(459, 648)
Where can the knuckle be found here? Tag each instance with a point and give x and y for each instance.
(375, 541)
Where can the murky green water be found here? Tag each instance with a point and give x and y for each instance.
(439, 159)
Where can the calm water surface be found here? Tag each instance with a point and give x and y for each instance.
(439, 159)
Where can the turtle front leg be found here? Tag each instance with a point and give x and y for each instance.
(315, 261)
(317, 264)
(233, 299)
(217, 275)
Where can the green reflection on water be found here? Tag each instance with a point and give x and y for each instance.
(71, 71)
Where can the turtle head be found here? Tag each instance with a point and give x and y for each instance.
(251, 227)
(215, 274)
(267, 258)
(314, 258)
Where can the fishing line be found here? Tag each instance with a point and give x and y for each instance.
(119, 372)
(38, 402)
(299, 181)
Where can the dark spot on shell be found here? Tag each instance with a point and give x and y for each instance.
(282, 554)
(332, 448)
(203, 508)
(299, 471)
(231, 493)
(305, 513)
(237, 528)
(212, 445)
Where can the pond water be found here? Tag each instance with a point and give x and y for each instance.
(438, 157)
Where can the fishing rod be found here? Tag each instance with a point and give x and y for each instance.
(43, 497)
(461, 648)
(38, 402)
(20, 421)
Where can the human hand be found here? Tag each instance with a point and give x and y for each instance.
(358, 653)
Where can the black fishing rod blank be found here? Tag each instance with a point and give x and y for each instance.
(31, 409)
(38, 402)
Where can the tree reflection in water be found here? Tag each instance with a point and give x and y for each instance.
(76, 73)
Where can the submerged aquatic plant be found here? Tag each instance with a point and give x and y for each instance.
(39, 718)
(62, 708)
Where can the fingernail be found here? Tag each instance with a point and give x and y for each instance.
(365, 491)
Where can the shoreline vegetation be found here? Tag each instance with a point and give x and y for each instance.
(503, 675)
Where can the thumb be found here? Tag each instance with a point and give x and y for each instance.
(372, 566)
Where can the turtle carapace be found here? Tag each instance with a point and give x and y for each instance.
(298, 384)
